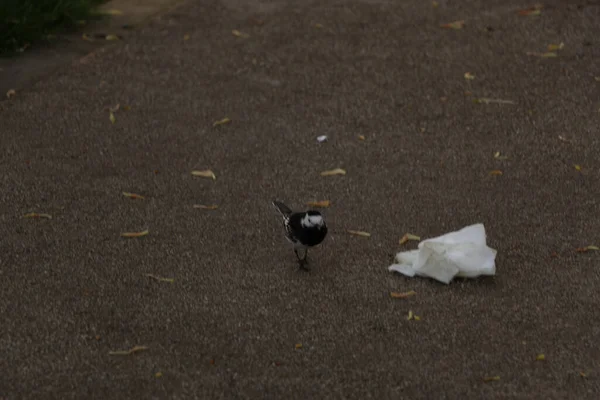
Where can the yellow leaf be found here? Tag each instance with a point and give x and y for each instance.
(397, 295)
(337, 171)
(111, 116)
(532, 11)
(158, 374)
(128, 352)
(486, 100)
(322, 203)
(36, 215)
(359, 233)
(10, 93)
(540, 357)
(554, 47)
(410, 315)
(298, 346)
(454, 25)
(549, 54)
(417, 318)
(237, 33)
(496, 172)
(497, 156)
(135, 234)
(203, 207)
(87, 37)
(491, 378)
(207, 173)
(112, 11)
(133, 195)
(160, 279)
(469, 76)
(407, 237)
(112, 37)
(577, 167)
(589, 248)
(186, 37)
(318, 26)
(223, 121)
(361, 137)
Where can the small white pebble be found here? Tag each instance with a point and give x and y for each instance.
(322, 138)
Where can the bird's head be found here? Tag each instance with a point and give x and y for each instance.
(313, 219)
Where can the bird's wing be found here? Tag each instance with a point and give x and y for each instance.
(282, 208)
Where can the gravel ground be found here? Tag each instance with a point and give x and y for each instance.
(239, 320)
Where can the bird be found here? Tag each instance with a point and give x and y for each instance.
(304, 230)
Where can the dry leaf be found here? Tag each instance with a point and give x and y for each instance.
(111, 12)
(564, 139)
(237, 33)
(186, 37)
(112, 37)
(549, 54)
(322, 203)
(498, 156)
(397, 295)
(158, 374)
(135, 234)
(469, 76)
(318, 26)
(587, 248)
(496, 172)
(410, 315)
(577, 167)
(359, 233)
(435, 4)
(128, 352)
(597, 78)
(133, 196)
(87, 37)
(223, 121)
(491, 378)
(486, 100)
(160, 279)
(10, 93)
(555, 47)
(337, 171)
(454, 25)
(582, 374)
(407, 237)
(111, 117)
(298, 346)
(205, 174)
(417, 318)
(540, 357)
(361, 137)
(36, 215)
(532, 11)
(203, 207)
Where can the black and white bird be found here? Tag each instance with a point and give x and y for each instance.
(303, 229)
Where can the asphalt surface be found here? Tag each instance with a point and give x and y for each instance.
(74, 290)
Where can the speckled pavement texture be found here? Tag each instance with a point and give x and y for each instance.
(74, 290)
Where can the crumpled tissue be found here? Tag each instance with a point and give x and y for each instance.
(462, 253)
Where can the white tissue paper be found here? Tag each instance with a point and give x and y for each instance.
(463, 253)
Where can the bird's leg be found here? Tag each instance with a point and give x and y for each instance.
(302, 261)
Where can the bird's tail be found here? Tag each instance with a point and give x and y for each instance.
(282, 208)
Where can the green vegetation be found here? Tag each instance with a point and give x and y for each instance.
(26, 22)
